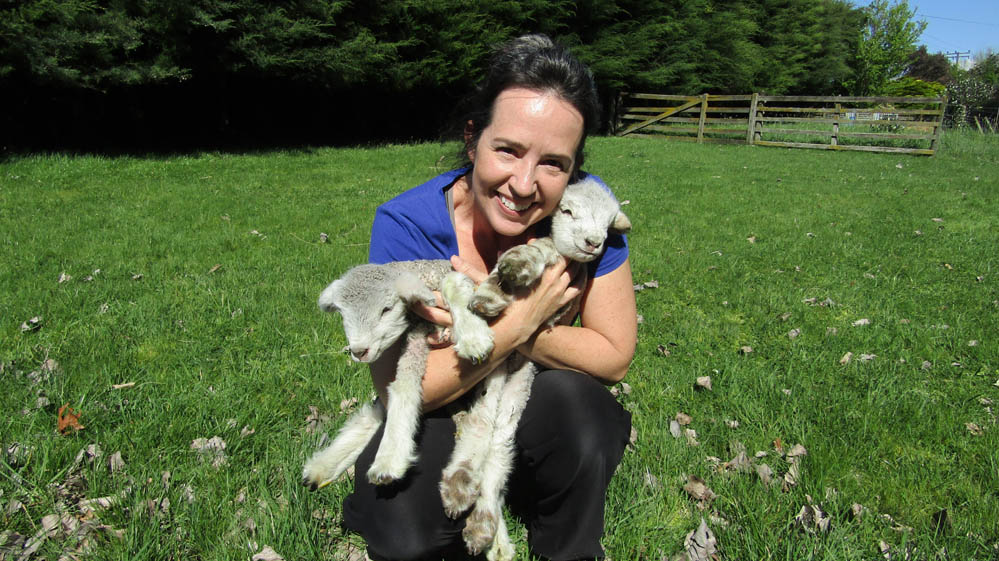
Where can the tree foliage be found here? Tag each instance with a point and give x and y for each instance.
(884, 45)
(222, 64)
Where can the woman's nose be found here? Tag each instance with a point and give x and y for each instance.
(522, 183)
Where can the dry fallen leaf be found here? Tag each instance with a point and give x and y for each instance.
(703, 382)
(674, 429)
(267, 554)
(701, 544)
(116, 463)
(862, 321)
(33, 324)
(683, 418)
(846, 358)
(699, 490)
(812, 519)
(68, 420)
(793, 334)
(974, 429)
(745, 350)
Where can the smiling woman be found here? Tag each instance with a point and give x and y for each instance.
(524, 137)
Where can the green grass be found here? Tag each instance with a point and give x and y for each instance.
(245, 346)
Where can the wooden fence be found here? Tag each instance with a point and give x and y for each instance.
(908, 125)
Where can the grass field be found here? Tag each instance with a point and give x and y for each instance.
(175, 301)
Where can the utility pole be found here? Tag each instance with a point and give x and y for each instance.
(957, 56)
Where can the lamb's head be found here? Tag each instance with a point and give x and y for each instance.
(373, 301)
(586, 213)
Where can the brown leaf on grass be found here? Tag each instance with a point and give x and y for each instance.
(116, 463)
(812, 519)
(122, 386)
(211, 448)
(674, 429)
(663, 350)
(739, 463)
(683, 418)
(68, 420)
(691, 435)
(861, 321)
(974, 429)
(267, 554)
(33, 324)
(633, 437)
(745, 350)
(793, 334)
(699, 490)
(703, 382)
(765, 473)
(797, 450)
(63, 277)
(214, 268)
(314, 420)
(846, 358)
(700, 545)
(751, 239)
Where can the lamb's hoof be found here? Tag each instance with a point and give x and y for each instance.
(314, 477)
(521, 266)
(458, 491)
(489, 303)
(475, 345)
(384, 472)
(480, 529)
(500, 551)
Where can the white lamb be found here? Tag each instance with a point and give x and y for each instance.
(374, 302)
(374, 299)
(484, 449)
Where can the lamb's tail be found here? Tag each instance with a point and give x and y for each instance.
(326, 465)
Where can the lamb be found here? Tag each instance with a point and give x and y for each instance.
(374, 304)
(483, 456)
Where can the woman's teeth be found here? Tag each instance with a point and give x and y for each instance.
(513, 206)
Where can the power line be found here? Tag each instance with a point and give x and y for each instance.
(958, 20)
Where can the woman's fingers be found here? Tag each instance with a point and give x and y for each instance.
(460, 265)
(434, 314)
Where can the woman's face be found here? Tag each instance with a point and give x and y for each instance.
(524, 158)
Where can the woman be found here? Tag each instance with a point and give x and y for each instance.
(523, 141)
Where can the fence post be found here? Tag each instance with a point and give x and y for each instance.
(751, 128)
(938, 126)
(761, 107)
(835, 134)
(700, 121)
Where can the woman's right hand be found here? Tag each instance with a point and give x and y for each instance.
(530, 309)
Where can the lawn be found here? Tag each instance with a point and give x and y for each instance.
(843, 302)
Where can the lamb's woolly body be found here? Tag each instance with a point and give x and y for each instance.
(374, 302)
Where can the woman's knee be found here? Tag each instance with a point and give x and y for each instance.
(578, 415)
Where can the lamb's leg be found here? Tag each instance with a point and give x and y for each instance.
(472, 336)
(501, 548)
(327, 464)
(483, 524)
(520, 266)
(459, 485)
(397, 450)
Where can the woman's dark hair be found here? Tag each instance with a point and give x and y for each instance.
(534, 62)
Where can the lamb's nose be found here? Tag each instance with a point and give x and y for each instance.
(593, 243)
(359, 354)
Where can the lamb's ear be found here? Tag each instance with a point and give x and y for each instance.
(329, 296)
(411, 289)
(621, 224)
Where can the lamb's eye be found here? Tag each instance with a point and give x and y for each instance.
(567, 211)
(386, 310)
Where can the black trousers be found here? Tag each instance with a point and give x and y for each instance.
(569, 442)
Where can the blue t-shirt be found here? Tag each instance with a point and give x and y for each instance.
(417, 225)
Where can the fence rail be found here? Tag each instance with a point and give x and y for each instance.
(910, 125)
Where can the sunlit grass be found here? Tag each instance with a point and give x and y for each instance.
(210, 264)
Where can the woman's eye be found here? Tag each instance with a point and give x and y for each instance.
(555, 164)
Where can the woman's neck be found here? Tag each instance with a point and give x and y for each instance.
(478, 243)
